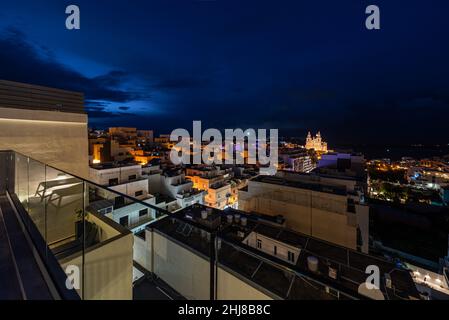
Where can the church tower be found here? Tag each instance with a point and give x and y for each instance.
(309, 138)
(316, 142)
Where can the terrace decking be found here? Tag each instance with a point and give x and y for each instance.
(20, 276)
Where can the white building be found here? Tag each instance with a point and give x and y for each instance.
(216, 182)
(343, 162)
(297, 161)
(218, 195)
(174, 184)
(320, 207)
(111, 175)
(130, 181)
(134, 216)
(127, 180)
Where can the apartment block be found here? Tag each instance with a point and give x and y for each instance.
(317, 207)
(218, 182)
(297, 161)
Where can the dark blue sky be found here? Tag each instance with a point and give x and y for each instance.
(293, 65)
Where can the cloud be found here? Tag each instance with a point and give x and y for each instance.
(124, 108)
(181, 83)
(101, 111)
(23, 62)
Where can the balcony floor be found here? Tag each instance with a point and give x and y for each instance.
(20, 277)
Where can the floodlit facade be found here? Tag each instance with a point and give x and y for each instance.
(316, 142)
(47, 124)
(220, 188)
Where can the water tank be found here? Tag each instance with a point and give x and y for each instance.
(243, 221)
(237, 218)
(204, 214)
(229, 218)
(312, 263)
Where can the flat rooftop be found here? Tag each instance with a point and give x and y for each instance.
(219, 185)
(323, 172)
(113, 165)
(163, 198)
(350, 265)
(396, 226)
(202, 168)
(313, 186)
(184, 234)
(172, 172)
(271, 274)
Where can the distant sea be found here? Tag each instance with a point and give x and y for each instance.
(397, 152)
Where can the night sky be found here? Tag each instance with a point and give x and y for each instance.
(292, 65)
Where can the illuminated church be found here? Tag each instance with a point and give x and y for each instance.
(316, 142)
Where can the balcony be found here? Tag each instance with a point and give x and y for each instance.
(84, 252)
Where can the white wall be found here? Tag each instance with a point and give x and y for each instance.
(188, 201)
(188, 273)
(102, 176)
(172, 190)
(268, 245)
(132, 211)
(131, 188)
(217, 197)
(108, 268)
(142, 251)
(154, 183)
(322, 215)
(229, 287)
(55, 138)
(184, 271)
